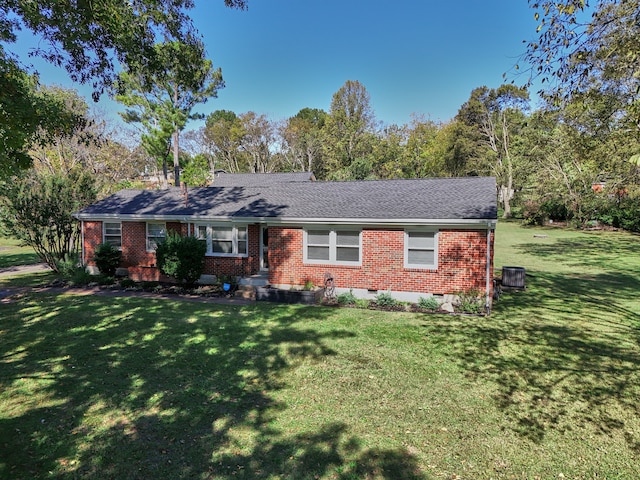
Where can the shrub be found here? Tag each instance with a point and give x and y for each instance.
(181, 258)
(37, 208)
(471, 302)
(362, 303)
(386, 300)
(107, 258)
(347, 298)
(127, 283)
(429, 303)
(105, 280)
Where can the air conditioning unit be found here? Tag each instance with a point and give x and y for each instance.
(513, 277)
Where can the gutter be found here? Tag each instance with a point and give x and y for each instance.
(398, 222)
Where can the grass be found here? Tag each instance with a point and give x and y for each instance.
(12, 254)
(138, 388)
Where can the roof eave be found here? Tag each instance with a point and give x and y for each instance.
(460, 222)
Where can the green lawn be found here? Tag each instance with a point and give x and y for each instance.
(11, 254)
(92, 387)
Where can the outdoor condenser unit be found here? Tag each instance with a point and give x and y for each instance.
(513, 277)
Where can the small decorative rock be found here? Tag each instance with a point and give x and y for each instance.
(447, 307)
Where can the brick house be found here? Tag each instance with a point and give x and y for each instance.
(410, 237)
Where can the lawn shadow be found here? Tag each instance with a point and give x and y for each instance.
(564, 354)
(126, 390)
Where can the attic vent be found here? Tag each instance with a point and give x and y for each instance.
(513, 277)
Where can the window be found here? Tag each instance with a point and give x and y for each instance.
(224, 240)
(420, 249)
(112, 233)
(156, 232)
(332, 246)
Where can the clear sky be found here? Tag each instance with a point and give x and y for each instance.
(413, 56)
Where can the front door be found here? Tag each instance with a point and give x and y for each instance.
(264, 248)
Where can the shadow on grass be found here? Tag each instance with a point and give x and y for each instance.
(17, 259)
(579, 251)
(564, 354)
(143, 388)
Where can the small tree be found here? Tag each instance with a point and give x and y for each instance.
(181, 258)
(38, 208)
(107, 258)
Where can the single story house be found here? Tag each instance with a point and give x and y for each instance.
(411, 237)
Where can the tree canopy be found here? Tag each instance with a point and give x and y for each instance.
(91, 41)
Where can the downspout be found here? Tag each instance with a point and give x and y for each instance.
(487, 305)
(84, 263)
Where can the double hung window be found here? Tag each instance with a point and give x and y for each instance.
(223, 240)
(342, 247)
(156, 233)
(420, 249)
(112, 233)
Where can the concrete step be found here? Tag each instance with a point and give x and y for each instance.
(259, 280)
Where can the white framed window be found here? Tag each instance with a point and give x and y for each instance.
(224, 240)
(112, 233)
(156, 233)
(326, 245)
(421, 249)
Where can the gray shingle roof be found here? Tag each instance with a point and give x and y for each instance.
(468, 198)
(223, 179)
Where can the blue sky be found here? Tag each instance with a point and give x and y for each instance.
(413, 56)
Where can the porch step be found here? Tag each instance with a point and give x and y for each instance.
(259, 280)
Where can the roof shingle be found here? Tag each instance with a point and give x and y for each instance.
(466, 198)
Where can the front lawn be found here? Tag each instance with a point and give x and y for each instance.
(12, 254)
(92, 387)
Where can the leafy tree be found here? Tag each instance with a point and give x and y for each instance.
(303, 138)
(90, 40)
(257, 141)
(584, 48)
(181, 258)
(497, 115)
(37, 208)
(29, 116)
(163, 103)
(348, 125)
(224, 133)
(196, 171)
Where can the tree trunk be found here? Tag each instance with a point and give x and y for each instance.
(176, 146)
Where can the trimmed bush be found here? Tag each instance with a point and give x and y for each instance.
(429, 303)
(181, 258)
(386, 300)
(347, 298)
(107, 258)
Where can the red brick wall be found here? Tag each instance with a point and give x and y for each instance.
(142, 264)
(461, 262)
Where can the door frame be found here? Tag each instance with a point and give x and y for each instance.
(264, 249)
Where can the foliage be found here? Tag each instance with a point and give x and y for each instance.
(162, 103)
(386, 300)
(496, 117)
(72, 270)
(90, 40)
(107, 258)
(349, 124)
(471, 302)
(429, 303)
(37, 209)
(30, 116)
(128, 283)
(196, 172)
(622, 214)
(181, 258)
(347, 298)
